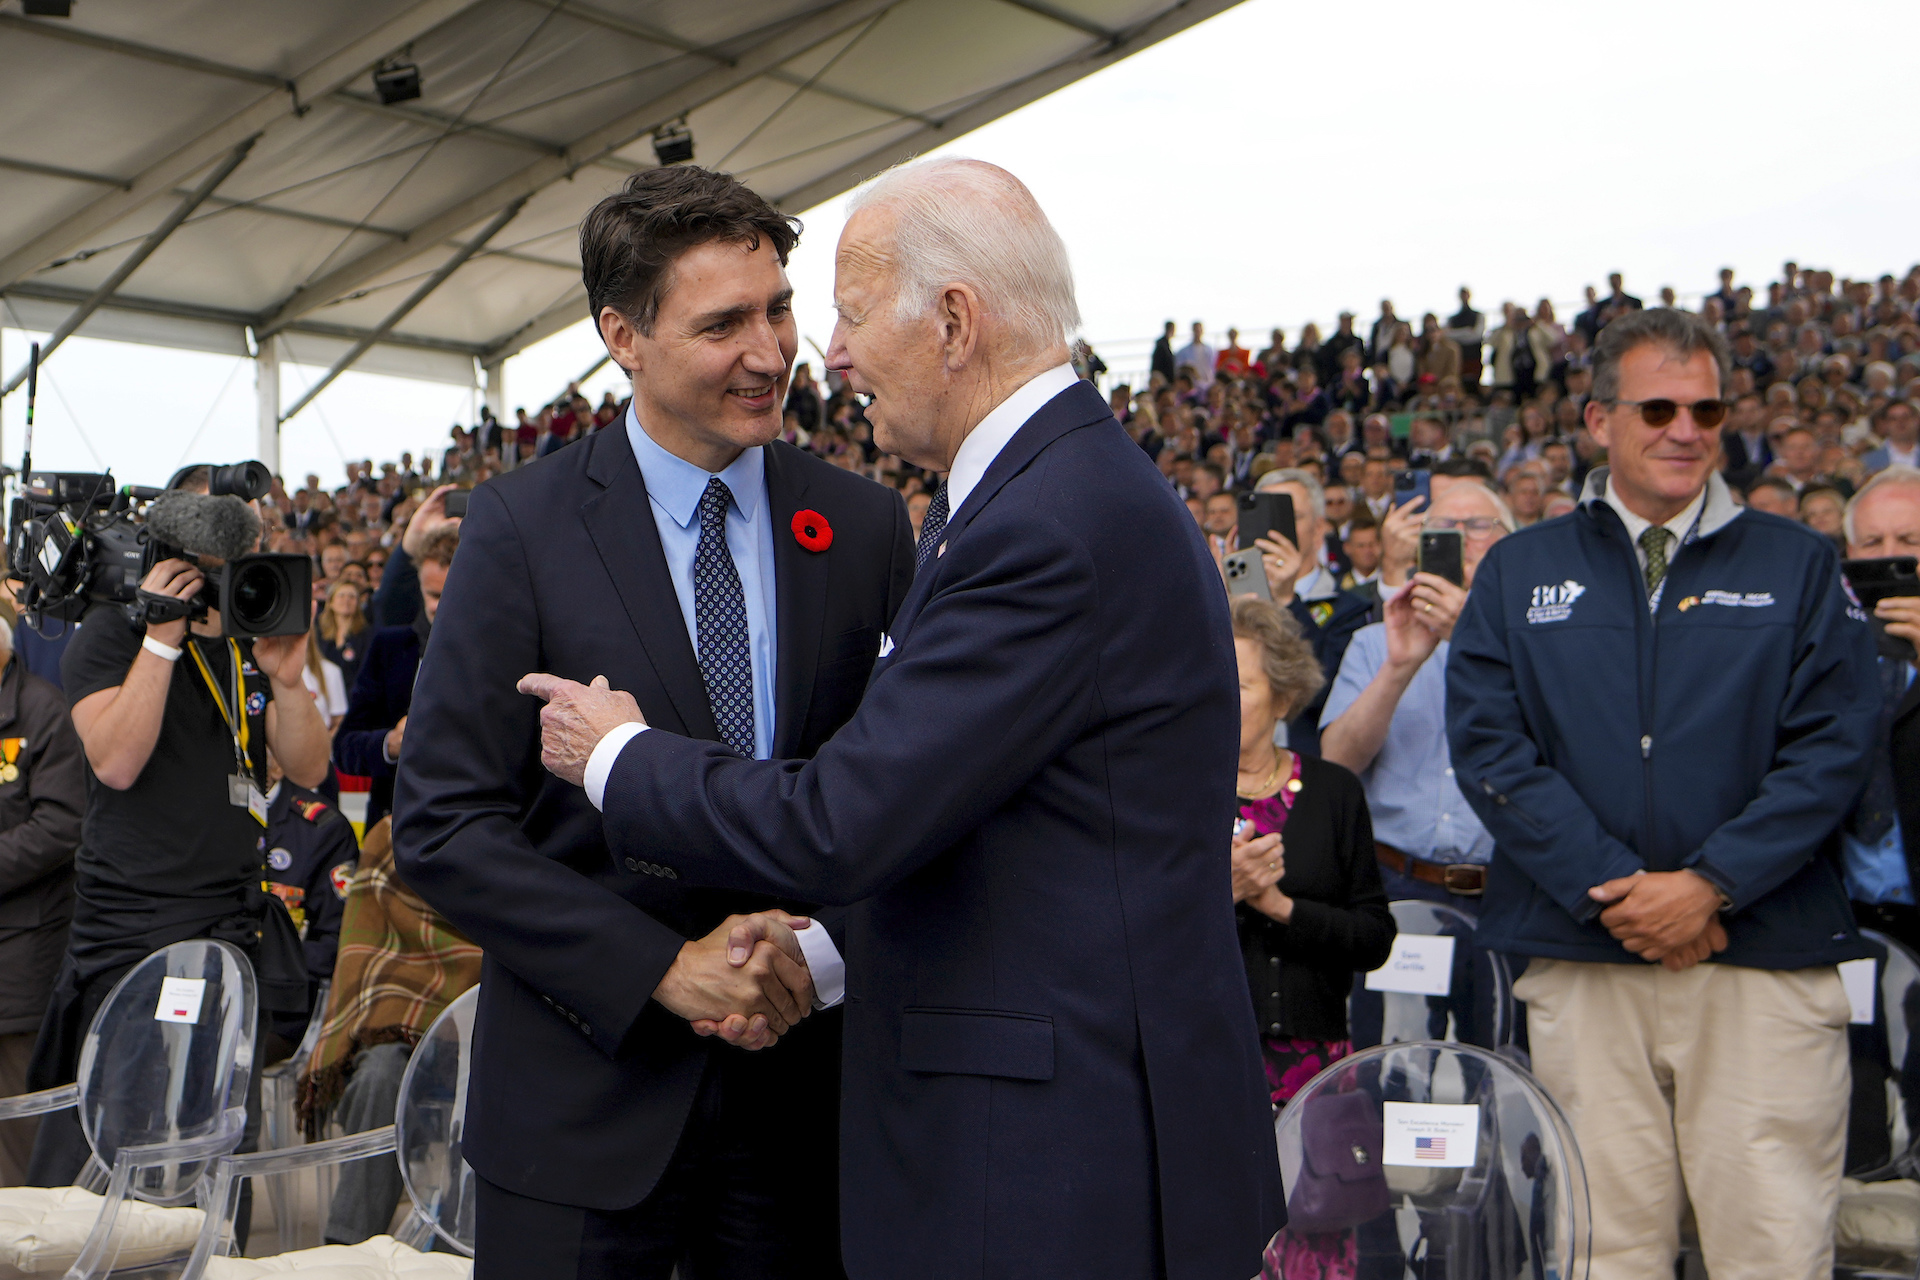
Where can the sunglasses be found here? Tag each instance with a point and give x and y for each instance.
(1707, 414)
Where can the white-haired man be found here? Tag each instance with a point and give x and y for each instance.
(1050, 1065)
(1880, 841)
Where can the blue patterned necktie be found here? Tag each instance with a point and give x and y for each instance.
(720, 617)
(932, 525)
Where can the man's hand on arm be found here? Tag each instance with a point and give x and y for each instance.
(431, 515)
(296, 730)
(575, 719)
(1902, 616)
(1400, 541)
(1663, 915)
(752, 1001)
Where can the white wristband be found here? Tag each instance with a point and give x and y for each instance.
(160, 650)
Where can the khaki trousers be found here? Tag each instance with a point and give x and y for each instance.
(1720, 1085)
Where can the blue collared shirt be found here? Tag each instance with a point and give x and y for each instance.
(1411, 794)
(1877, 872)
(674, 489)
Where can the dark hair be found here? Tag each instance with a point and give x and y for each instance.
(1773, 482)
(629, 242)
(440, 546)
(1462, 468)
(1681, 333)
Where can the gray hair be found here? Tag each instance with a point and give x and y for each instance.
(1316, 495)
(961, 221)
(1680, 333)
(1883, 478)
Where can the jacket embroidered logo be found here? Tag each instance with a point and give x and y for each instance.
(1554, 603)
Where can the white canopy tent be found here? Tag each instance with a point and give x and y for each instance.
(223, 177)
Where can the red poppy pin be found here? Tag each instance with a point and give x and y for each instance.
(811, 530)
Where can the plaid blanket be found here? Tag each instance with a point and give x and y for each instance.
(400, 964)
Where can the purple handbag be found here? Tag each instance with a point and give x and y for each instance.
(1342, 1182)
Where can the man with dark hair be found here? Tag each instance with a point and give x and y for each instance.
(738, 587)
(1660, 707)
(1163, 363)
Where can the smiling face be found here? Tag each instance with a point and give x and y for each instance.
(711, 378)
(1658, 470)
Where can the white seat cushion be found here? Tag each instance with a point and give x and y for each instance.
(1879, 1219)
(42, 1230)
(381, 1258)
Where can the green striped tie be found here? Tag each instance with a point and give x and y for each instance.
(1653, 541)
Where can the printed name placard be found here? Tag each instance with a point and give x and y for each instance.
(180, 999)
(1430, 1134)
(1857, 977)
(1419, 965)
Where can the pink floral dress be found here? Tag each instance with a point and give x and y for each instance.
(1291, 1062)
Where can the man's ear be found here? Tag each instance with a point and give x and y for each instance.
(959, 314)
(621, 338)
(1595, 418)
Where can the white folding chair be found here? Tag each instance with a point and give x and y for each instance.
(1430, 1158)
(1877, 1229)
(162, 1097)
(426, 1138)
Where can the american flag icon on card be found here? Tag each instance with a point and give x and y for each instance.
(1429, 1148)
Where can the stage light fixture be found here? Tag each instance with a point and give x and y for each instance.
(396, 82)
(47, 8)
(673, 143)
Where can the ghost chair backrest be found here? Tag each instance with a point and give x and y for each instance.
(167, 1062)
(1404, 1001)
(1883, 1124)
(429, 1124)
(1441, 1156)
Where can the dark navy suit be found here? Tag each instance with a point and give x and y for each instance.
(1050, 1063)
(582, 1085)
(382, 693)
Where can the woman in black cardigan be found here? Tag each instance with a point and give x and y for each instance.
(1306, 884)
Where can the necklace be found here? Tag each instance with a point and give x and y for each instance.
(1266, 786)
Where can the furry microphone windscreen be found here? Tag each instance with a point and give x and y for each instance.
(225, 527)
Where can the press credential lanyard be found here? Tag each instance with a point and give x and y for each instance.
(242, 791)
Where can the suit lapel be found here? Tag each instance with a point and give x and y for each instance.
(620, 521)
(1078, 406)
(800, 599)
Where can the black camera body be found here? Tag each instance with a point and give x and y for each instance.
(76, 540)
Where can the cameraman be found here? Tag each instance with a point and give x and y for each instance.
(171, 844)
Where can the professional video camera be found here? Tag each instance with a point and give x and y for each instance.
(76, 540)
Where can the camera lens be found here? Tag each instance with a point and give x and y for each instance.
(258, 600)
(244, 480)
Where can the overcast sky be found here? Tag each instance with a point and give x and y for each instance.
(1271, 166)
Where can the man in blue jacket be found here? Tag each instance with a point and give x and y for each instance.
(1661, 709)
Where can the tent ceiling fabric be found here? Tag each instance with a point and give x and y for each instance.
(342, 208)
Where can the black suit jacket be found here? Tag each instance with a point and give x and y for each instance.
(1051, 1066)
(581, 1084)
(382, 693)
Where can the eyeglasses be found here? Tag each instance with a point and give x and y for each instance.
(1479, 526)
(1707, 414)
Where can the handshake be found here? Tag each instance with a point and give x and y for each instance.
(746, 982)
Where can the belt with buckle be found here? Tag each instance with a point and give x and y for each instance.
(1467, 879)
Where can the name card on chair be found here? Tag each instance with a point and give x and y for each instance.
(1425, 1133)
(180, 999)
(1858, 977)
(1420, 964)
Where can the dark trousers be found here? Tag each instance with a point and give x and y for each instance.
(749, 1194)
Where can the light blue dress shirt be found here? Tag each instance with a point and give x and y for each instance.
(1877, 872)
(1415, 803)
(674, 489)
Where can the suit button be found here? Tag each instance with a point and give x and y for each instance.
(586, 1031)
(633, 864)
(1274, 962)
(1276, 995)
(669, 873)
(1273, 1029)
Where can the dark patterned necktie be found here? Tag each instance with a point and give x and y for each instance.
(720, 618)
(1653, 541)
(932, 525)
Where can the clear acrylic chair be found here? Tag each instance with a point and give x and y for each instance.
(426, 1138)
(1478, 1007)
(1431, 1159)
(1878, 1227)
(161, 1095)
(292, 1194)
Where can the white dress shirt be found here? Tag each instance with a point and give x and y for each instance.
(1680, 526)
(984, 443)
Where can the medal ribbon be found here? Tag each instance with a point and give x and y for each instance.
(236, 718)
(10, 749)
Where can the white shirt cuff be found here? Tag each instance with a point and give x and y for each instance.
(600, 763)
(824, 963)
